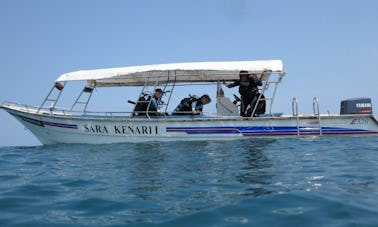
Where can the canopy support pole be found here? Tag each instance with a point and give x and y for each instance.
(86, 89)
(60, 88)
(171, 91)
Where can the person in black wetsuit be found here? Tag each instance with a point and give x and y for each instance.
(192, 105)
(248, 89)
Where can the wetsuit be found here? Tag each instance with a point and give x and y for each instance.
(187, 105)
(249, 92)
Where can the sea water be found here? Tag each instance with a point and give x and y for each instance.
(306, 181)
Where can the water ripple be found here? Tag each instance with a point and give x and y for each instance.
(247, 182)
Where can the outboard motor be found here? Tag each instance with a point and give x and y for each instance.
(356, 106)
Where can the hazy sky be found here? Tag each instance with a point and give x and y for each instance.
(328, 47)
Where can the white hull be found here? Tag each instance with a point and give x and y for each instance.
(51, 129)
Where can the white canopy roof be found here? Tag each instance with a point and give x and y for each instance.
(168, 73)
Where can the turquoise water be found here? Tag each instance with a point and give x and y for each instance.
(327, 181)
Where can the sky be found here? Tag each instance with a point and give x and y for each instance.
(328, 47)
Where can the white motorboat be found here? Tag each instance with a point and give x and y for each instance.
(51, 124)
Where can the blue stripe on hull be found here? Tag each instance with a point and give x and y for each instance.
(267, 131)
(44, 123)
(60, 125)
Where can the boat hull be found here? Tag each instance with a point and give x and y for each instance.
(52, 129)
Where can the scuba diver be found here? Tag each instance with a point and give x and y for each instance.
(192, 105)
(152, 103)
(155, 101)
(249, 91)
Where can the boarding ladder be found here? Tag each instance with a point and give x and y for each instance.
(316, 113)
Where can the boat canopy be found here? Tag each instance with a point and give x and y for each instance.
(177, 72)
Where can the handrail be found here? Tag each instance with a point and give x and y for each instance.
(294, 106)
(67, 112)
(315, 107)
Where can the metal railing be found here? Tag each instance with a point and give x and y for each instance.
(80, 113)
(315, 107)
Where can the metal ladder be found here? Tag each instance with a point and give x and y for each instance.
(261, 92)
(294, 107)
(265, 87)
(145, 88)
(170, 91)
(83, 102)
(143, 94)
(315, 106)
(53, 101)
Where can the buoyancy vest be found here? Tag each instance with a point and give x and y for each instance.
(186, 105)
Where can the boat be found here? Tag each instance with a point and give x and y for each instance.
(52, 124)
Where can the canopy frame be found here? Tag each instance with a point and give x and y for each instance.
(168, 75)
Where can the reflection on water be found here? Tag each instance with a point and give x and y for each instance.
(257, 171)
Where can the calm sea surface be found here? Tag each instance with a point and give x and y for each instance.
(327, 181)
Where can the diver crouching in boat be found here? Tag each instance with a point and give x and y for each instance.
(192, 105)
